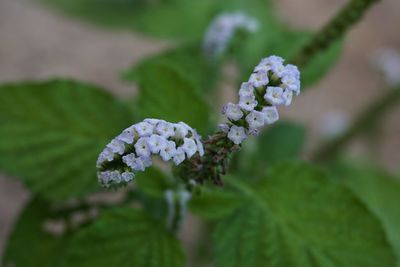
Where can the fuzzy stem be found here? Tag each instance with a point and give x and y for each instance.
(333, 30)
(367, 121)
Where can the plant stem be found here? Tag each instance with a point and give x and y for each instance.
(333, 30)
(367, 121)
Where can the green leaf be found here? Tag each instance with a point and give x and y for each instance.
(214, 204)
(296, 216)
(29, 244)
(187, 59)
(125, 237)
(52, 132)
(167, 94)
(282, 141)
(161, 18)
(381, 192)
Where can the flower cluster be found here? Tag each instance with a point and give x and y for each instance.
(222, 30)
(271, 84)
(132, 150)
(387, 61)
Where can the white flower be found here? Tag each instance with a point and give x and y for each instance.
(107, 154)
(223, 127)
(246, 89)
(259, 78)
(165, 129)
(287, 97)
(181, 131)
(278, 68)
(168, 151)
(200, 147)
(107, 178)
(232, 111)
(247, 103)
(126, 137)
(387, 61)
(142, 147)
(274, 95)
(127, 176)
(189, 146)
(179, 156)
(271, 114)
(117, 146)
(237, 134)
(144, 129)
(156, 143)
(136, 163)
(129, 160)
(255, 119)
(291, 81)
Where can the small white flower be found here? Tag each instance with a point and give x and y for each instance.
(168, 151)
(129, 160)
(142, 147)
(136, 164)
(278, 69)
(271, 114)
(200, 147)
(165, 129)
(291, 82)
(246, 89)
(387, 61)
(287, 97)
(255, 119)
(144, 129)
(247, 103)
(274, 95)
(237, 134)
(117, 146)
(223, 127)
(179, 156)
(127, 176)
(107, 154)
(181, 131)
(152, 121)
(232, 111)
(156, 143)
(107, 178)
(259, 78)
(126, 137)
(189, 146)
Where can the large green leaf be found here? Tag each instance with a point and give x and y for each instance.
(189, 60)
(166, 93)
(381, 192)
(29, 244)
(52, 132)
(298, 217)
(161, 18)
(125, 237)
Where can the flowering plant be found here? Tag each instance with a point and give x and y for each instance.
(167, 168)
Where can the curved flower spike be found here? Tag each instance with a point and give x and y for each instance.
(132, 150)
(271, 84)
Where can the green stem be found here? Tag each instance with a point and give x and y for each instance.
(366, 122)
(335, 29)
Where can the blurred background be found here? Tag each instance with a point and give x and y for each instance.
(37, 42)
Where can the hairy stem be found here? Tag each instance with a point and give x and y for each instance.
(368, 120)
(336, 28)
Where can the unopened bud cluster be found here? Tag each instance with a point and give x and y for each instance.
(271, 84)
(222, 30)
(132, 150)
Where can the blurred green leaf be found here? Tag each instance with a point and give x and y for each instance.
(125, 237)
(282, 141)
(187, 59)
(52, 132)
(214, 203)
(29, 244)
(160, 18)
(167, 94)
(296, 216)
(380, 191)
